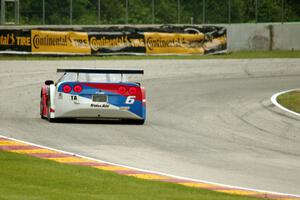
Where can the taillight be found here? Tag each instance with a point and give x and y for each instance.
(77, 88)
(66, 88)
(132, 91)
(122, 90)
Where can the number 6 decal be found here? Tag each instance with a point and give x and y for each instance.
(130, 100)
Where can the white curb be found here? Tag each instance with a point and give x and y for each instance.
(274, 101)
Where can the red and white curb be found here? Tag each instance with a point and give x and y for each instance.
(275, 102)
(22, 147)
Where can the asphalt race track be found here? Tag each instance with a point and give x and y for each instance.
(207, 119)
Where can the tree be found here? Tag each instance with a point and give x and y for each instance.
(113, 11)
(166, 11)
(84, 12)
(140, 11)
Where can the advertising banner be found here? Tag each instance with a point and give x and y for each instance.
(15, 41)
(115, 41)
(102, 43)
(173, 43)
(60, 42)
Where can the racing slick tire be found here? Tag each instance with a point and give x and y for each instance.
(42, 108)
(135, 121)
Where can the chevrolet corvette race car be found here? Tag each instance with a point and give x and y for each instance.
(94, 93)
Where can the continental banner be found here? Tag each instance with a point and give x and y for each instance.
(15, 41)
(59, 42)
(117, 43)
(173, 43)
(160, 40)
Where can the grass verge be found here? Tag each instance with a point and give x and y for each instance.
(231, 55)
(290, 100)
(25, 177)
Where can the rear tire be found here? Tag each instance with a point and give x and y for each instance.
(51, 120)
(42, 110)
(42, 107)
(140, 122)
(135, 121)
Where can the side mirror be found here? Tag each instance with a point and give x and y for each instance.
(49, 82)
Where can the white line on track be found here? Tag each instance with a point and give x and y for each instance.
(154, 172)
(274, 101)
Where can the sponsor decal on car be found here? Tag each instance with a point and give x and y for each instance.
(100, 105)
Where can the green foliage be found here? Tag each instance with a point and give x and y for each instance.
(269, 11)
(191, 10)
(31, 12)
(84, 12)
(112, 11)
(292, 11)
(165, 11)
(140, 12)
(57, 12)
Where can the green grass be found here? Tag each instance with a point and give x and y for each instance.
(290, 100)
(25, 177)
(232, 55)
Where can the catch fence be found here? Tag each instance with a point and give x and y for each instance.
(109, 12)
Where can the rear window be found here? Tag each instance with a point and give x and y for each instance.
(87, 77)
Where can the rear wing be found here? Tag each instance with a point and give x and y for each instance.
(102, 71)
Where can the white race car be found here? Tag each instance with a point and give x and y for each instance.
(94, 93)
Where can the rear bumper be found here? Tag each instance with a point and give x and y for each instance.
(98, 114)
(93, 110)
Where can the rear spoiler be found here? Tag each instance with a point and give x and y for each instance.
(102, 71)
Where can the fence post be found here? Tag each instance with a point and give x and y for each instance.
(2, 12)
(16, 11)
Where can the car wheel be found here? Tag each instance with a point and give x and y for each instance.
(135, 121)
(42, 108)
(42, 116)
(140, 122)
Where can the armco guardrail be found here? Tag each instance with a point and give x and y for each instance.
(114, 40)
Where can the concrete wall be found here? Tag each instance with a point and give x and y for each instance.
(263, 36)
